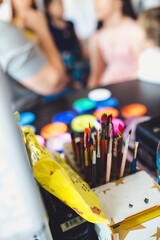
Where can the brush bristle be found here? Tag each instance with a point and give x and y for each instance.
(89, 125)
(86, 130)
(130, 132)
(104, 118)
(109, 119)
(120, 128)
(137, 139)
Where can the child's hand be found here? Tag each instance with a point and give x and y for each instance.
(34, 20)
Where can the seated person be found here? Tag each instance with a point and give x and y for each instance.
(67, 43)
(112, 55)
(149, 59)
(31, 70)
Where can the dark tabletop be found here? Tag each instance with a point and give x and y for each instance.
(127, 92)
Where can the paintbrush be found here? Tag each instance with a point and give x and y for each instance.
(103, 136)
(109, 158)
(98, 161)
(94, 170)
(119, 145)
(114, 159)
(158, 161)
(109, 126)
(78, 153)
(74, 145)
(108, 130)
(89, 135)
(125, 154)
(86, 132)
(134, 161)
(81, 137)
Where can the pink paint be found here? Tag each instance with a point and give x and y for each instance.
(56, 143)
(40, 140)
(116, 122)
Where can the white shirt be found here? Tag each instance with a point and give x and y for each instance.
(81, 13)
(149, 65)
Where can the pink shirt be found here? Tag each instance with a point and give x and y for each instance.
(117, 54)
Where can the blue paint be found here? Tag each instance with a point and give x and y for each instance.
(64, 117)
(26, 118)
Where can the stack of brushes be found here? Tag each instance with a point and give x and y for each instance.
(99, 156)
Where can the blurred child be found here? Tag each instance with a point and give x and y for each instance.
(149, 60)
(112, 55)
(67, 43)
(32, 71)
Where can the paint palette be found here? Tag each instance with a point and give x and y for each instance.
(110, 102)
(84, 105)
(81, 122)
(65, 117)
(99, 95)
(26, 118)
(133, 110)
(53, 129)
(108, 111)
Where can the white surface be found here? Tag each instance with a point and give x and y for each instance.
(115, 200)
(136, 187)
(99, 95)
(21, 210)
